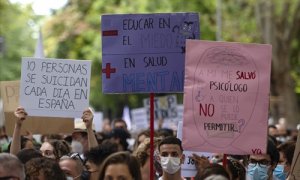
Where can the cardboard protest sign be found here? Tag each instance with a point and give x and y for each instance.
(55, 87)
(145, 52)
(36, 125)
(165, 107)
(226, 97)
(295, 167)
(139, 119)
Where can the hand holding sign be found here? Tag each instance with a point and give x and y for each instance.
(201, 162)
(21, 115)
(87, 118)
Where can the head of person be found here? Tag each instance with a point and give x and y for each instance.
(171, 155)
(55, 149)
(119, 123)
(272, 130)
(80, 138)
(95, 157)
(120, 165)
(286, 153)
(143, 155)
(43, 168)
(235, 169)
(141, 137)
(11, 167)
(213, 172)
(106, 126)
(261, 166)
(72, 166)
(27, 154)
(120, 137)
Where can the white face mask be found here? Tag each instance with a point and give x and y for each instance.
(170, 164)
(77, 147)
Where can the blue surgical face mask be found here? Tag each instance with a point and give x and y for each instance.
(257, 172)
(279, 172)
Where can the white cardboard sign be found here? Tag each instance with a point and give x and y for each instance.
(55, 87)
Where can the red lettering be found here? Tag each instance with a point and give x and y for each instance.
(245, 75)
(207, 109)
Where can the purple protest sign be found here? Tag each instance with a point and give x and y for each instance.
(144, 53)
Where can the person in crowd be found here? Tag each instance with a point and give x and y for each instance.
(213, 172)
(119, 123)
(106, 126)
(27, 154)
(84, 133)
(235, 169)
(272, 130)
(95, 157)
(72, 166)
(143, 155)
(55, 149)
(164, 132)
(120, 136)
(140, 138)
(171, 157)
(3, 139)
(286, 153)
(261, 166)
(43, 169)
(120, 165)
(19, 142)
(47, 137)
(11, 167)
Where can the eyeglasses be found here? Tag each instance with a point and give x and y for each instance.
(75, 156)
(260, 162)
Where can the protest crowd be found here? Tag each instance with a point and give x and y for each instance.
(107, 155)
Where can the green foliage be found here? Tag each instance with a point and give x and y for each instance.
(74, 33)
(16, 30)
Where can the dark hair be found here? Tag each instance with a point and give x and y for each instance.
(118, 121)
(141, 133)
(165, 132)
(60, 148)
(49, 167)
(288, 149)
(122, 158)
(122, 134)
(236, 169)
(213, 169)
(27, 154)
(24, 140)
(272, 151)
(98, 154)
(170, 140)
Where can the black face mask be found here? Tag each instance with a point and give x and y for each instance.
(85, 175)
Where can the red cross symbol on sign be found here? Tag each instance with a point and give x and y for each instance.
(107, 70)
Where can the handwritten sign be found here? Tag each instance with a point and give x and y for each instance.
(188, 168)
(165, 107)
(139, 119)
(226, 97)
(145, 52)
(55, 87)
(36, 125)
(295, 168)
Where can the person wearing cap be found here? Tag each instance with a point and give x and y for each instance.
(84, 133)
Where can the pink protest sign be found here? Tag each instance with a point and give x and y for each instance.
(226, 97)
